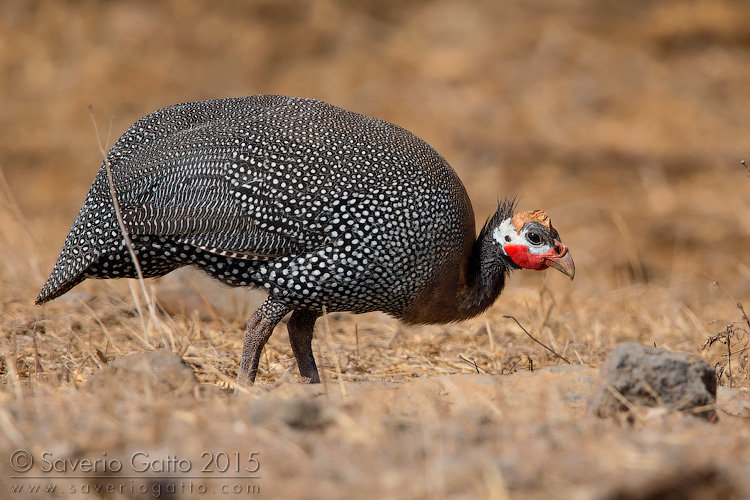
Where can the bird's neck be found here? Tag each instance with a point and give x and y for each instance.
(484, 277)
(464, 288)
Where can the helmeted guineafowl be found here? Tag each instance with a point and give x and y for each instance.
(324, 208)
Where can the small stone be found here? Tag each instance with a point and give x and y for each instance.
(305, 414)
(735, 402)
(647, 376)
(703, 483)
(159, 371)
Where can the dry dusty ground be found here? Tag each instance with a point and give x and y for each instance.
(627, 121)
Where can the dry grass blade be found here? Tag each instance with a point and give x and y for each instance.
(630, 246)
(37, 360)
(10, 430)
(106, 332)
(126, 235)
(744, 315)
(15, 208)
(489, 335)
(331, 348)
(12, 374)
(622, 399)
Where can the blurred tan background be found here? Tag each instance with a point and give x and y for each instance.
(627, 121)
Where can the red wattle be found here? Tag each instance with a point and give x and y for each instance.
(525, 259)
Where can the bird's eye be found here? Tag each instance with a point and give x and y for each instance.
(507, 238)
(534, 238)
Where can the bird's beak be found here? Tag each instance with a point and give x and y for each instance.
(560, 259)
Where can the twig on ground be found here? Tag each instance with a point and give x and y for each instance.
(731, 331)
(473, 363)
(538, 342)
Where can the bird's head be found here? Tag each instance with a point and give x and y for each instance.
(530, 242)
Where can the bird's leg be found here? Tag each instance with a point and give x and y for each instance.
(258, 331)
(300, 329)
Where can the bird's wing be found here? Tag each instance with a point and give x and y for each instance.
(220, 233)
(207, 183)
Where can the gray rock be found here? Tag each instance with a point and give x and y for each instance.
(646, 376)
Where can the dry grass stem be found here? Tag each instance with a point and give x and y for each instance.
(124, 231)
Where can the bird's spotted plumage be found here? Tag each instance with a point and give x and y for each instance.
(322, 207)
